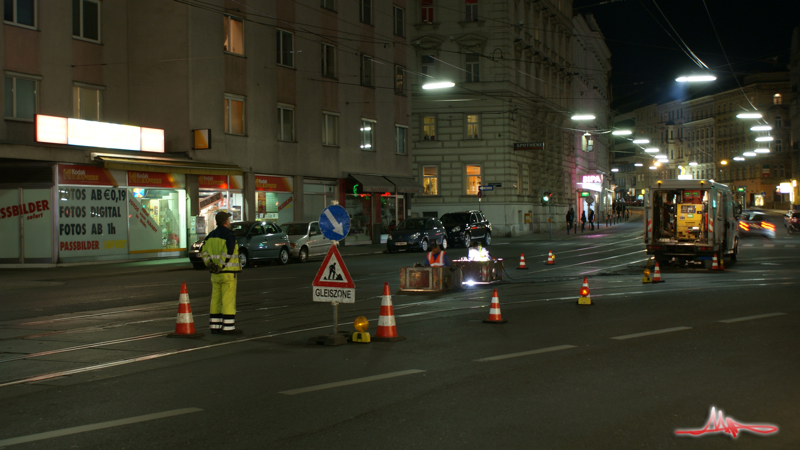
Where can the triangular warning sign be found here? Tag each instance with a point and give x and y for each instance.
(333, 272)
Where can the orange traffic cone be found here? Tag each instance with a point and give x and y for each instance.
(494, 310)
(657, 275)
(585, 298)
(522, 262)
(551, 258)
(184, 325)
(387, 329)
(714, 264)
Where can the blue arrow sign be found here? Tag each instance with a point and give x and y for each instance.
(334, 222)
(485, 188)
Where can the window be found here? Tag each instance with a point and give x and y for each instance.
(20, 12)
(21, 98)
(399, 21)
(86, 103)
(329, 4)
(473, 68)
(368, 135)
(782, 172)
(400, 133)
(777, 99)
(399, 74)
(429, 128)
(778, 145)
(365, 11)
(473, 179)
(285, 48)
(473, 127)
(430, 180)
(472, 10)
(234, 35)
(234, 114)
(367, 67)
(330, 129)
(426, 6)
(328, 61)
(286, 123)
(86, 19)
(428, 65)
(778, 122)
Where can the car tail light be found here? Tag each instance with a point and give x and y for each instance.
(768, 226)
(654, 247)
(744, 226)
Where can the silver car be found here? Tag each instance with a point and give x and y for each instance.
(258, 241)
(306, 240)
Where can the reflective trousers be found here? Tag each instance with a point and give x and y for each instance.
(222, 315)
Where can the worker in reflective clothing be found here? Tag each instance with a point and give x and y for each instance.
(221, 255)
(478, 253)
(436, 257)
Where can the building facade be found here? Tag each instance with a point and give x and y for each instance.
(501, 138)
(268, 110)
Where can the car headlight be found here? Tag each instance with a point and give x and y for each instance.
(415, 235)
(389, 238)
(456, 229)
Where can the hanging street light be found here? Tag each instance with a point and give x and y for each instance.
(761, 128)
(641, 141)
(438, 85)
(580, 117)
(622, 132)
(748, 116)
(695, 78)
(761, 150)
(764, 139)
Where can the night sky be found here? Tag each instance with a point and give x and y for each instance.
(755, 34)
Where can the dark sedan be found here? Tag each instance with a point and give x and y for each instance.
(416, 234)
(465, 227)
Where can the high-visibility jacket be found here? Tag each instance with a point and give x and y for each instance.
(221, 248)
(438, 260)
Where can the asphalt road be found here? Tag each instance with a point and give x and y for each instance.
(84, 362)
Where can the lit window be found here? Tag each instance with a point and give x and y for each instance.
(429, 128)
(473, 126)
(400, 133)
(20, 12)
(472, 10)
(430, 180)
(286, 123)
(21, 98)
(427, 11)
(365, 11)
(328, 61)
(777, 99)
(368, 135)
(473, 68)
(234, 35)
(428, 65)
(399, 75)
(399, 21)
(86, 103)
(234, 114)
(367, 68)
(473, 179)
(285, 48)
(329, 4)
(330, 129)
(85, 19)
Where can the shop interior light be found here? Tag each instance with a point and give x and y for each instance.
(738, 158)
(693, 163)
(764, 138)
(761, 150)
(748, 116)
(583, 117)
(749, 154)
(622, 132)
(761, 128)
(652, 150)
(695, 78)
(638, 165)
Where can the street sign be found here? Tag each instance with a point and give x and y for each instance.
(529, 146)
(485, 188)
(333, 283)
(334, 222)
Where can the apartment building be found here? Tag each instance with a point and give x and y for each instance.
(128, 125)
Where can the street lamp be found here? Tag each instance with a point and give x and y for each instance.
(748, 116)
(764, 139)
(622, 132)
(580, 117)
(638, 165)
(641, 141)
(695, 78)
(749, 154)
(761, 128)
(438, 85)
(652, 150)
(738, 158)
(761, 150)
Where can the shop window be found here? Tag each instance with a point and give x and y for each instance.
(328, 61)
(399, 75)
(285, 42)
(365, 11)
(473, 177)
(426, 7)
(286, 123)
(777, 99)
(473, 68)
(367, 70)
(20, 12)
(86, 19)
(429, 128)
(368, 135)
(329, 4)
(473, 126)
(428, 65)
(400, 134)
(21, 98)
(234, 114)
(330, 129)
(430, 180)
(87, 103)
(234, 35)
(399, 21)
(472, 10)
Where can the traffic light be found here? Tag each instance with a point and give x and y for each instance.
(546, 197)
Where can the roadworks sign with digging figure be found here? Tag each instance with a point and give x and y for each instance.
(333, 282)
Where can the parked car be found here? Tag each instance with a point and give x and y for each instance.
(417, 234)
(755, 223)
(305, 240)
(465, 227)
(258, 241)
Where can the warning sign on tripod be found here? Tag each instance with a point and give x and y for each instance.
(333, 282)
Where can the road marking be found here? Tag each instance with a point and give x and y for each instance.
(790, 246)
(320, 387)
(96, 426)
(769, 245)
(531, 352)
(650, 333)
(747, 245)
(760, 316)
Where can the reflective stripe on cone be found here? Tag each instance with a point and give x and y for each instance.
(387, 328)
(494, 310)
(184, 323)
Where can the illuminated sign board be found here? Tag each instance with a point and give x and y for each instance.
(86, 133)
(584, 194)
(786, 188)
(593, 179)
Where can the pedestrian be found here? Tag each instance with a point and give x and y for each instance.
(626, 212)
(591, 218)
(221, 255)
(570, 218)
(583, 220)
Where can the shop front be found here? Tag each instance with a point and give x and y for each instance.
(274, 198)
(590, 195)
(219, 193)
(318, 194)
(376, 205)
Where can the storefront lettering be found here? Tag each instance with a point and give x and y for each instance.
(25, 209)
(144, 178)
(79, 175)
(79, 245)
